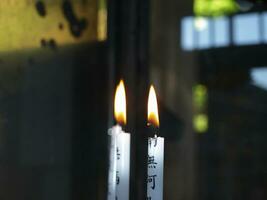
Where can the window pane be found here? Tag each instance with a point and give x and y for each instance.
(246, 29)
(221, 32)
(203, 28)
(187, 37)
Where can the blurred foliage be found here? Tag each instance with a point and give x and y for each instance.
(199, 97)
(215, 7)
(201, 123)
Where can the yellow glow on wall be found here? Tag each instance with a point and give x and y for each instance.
(201, 123)
(214, 7)
(22, 28)
(102, 20)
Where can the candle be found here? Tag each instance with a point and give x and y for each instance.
(155, 160)
(119, 151)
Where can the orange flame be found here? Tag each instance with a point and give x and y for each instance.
(120, 104)
(152, 108)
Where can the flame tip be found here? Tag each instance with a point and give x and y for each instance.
(152, 107)
(120, 103)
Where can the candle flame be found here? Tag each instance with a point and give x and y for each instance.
(120, 104)
(152, 108)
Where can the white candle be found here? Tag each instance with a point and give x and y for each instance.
(155, 168)
(123, 165)
(119, 151)
(112, 163)
(155, 159)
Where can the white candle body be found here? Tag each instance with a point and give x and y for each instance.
(112, 162)
(155, 168)
(119, 169)
(123, 166)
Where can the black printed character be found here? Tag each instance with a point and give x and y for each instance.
(118, 153)
(151, 162)
(117, 178)
(151, 179)
(154, 140)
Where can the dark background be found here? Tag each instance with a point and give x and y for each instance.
(57, 82)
